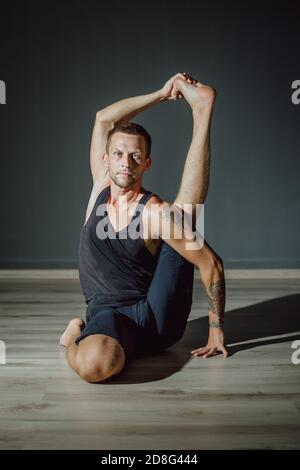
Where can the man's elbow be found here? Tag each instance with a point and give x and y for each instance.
(102, 117)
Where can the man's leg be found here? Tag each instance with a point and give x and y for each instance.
(169, 299)
(95, 357)
(195, 179)
(170, 293)
(193, 190)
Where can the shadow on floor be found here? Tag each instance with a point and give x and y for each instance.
(258, 323)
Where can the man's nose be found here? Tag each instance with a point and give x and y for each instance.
(126, 161)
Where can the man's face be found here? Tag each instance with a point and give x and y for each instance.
(126, 160)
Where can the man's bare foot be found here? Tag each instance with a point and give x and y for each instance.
(71, 332)
(197, 95)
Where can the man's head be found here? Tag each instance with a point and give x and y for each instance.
(128, 151)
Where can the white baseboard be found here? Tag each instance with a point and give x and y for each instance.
(73, 274)
(262, 273)
(39, 274)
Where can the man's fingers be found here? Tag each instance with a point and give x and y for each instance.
(224, 351)
(213, 351)
(200, 352)
(179, 95)
(210, 352)
(170, 85)
(199, 349)
(189, 77)
(174, 93)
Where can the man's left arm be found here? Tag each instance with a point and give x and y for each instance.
(216, 295)
(168, 222)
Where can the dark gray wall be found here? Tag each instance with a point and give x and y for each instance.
(64, 60)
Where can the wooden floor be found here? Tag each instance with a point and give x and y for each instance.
(250, 400)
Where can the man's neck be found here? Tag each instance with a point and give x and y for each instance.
(123, 196)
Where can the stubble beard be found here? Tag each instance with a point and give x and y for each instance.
(123, 181)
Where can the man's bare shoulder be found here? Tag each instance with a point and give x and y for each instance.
(98, 187)
(154, 205)
(154, 199)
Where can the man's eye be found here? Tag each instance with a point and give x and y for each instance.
(136, 156)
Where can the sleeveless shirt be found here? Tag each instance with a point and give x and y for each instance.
(115, 268)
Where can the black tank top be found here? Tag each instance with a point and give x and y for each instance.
(115, 268)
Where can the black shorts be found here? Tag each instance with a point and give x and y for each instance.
(153, 324)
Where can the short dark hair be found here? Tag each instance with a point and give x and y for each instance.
(131, 128)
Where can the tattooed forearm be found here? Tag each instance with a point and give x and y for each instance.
(216, 302)
(216, 323)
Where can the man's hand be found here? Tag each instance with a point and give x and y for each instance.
(169, 92)
(214, 345)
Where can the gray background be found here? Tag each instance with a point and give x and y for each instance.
(62, 61)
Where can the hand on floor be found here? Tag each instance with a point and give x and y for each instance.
(214, 345)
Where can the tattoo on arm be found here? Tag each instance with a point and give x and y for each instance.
(216, 301)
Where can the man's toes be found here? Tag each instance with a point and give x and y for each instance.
(73, 329)
(76, 322)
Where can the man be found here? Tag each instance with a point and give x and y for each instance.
(139, 290)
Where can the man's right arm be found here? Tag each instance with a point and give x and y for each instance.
(127, 108)
(97, 150)
(107, 118)
(115, 114)
(118, 113)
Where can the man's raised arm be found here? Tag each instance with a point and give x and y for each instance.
(127, 108)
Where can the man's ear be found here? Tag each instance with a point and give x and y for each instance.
(148, 163)
(105, 159)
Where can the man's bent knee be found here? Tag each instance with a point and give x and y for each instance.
(99, 358)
